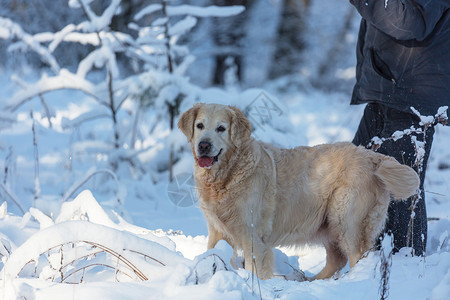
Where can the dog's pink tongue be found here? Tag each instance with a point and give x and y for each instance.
(205, 162)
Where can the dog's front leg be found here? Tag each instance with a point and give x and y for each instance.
(259, 258)
(213, 236)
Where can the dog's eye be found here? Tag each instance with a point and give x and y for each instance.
(220, 129)
(200, 126)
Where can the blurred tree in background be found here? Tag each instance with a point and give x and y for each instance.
(232, 39)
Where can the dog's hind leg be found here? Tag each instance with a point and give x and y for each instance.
(336, 260)
(372, 225)
(366, 229)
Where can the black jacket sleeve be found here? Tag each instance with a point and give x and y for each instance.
(403, 19)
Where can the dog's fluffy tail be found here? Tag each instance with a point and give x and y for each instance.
(400, 180)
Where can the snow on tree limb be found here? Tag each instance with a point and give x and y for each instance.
(98, 23)
(147, 11)
(425, 121)
(64, 80)
(208, 11)
(183, 26)
(77, 4)
(9, 30)
(98, 58)
(59, 36)
(85, 117)
(440, 117)
(195, 11)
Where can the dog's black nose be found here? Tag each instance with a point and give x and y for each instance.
(204, 148)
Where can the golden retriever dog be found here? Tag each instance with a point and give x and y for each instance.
(256, 196)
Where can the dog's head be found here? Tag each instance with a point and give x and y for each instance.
(213, 130)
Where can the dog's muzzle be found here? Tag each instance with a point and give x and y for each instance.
(208, 161)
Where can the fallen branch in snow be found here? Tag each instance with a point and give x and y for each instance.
(128, 250)
(121, 258)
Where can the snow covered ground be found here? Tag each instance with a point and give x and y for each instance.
(121, 233)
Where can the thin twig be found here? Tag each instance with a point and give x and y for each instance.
(85, 11)
(12, 197)
(439, 118)
(146, 256)
(170, 69)
(129, 264)
(94, 265)
(89, 176)
(105, 249)
(81, 257)
(37, 188)
(113, 109)
(47, 110)
(385, 270)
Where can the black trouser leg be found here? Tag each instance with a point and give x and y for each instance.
(371, 125)
(382, 121)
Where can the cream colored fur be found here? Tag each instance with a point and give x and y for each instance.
(336, 195)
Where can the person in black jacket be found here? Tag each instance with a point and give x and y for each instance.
(403, 61)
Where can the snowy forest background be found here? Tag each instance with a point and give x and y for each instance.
(95, 178)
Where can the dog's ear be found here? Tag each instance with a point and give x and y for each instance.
(240, 129)
(187, 119)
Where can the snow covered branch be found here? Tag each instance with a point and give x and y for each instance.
(195, 11)
(120, 244)
(64, 80)
(10, 30)
(425, 123)
(97, 23)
